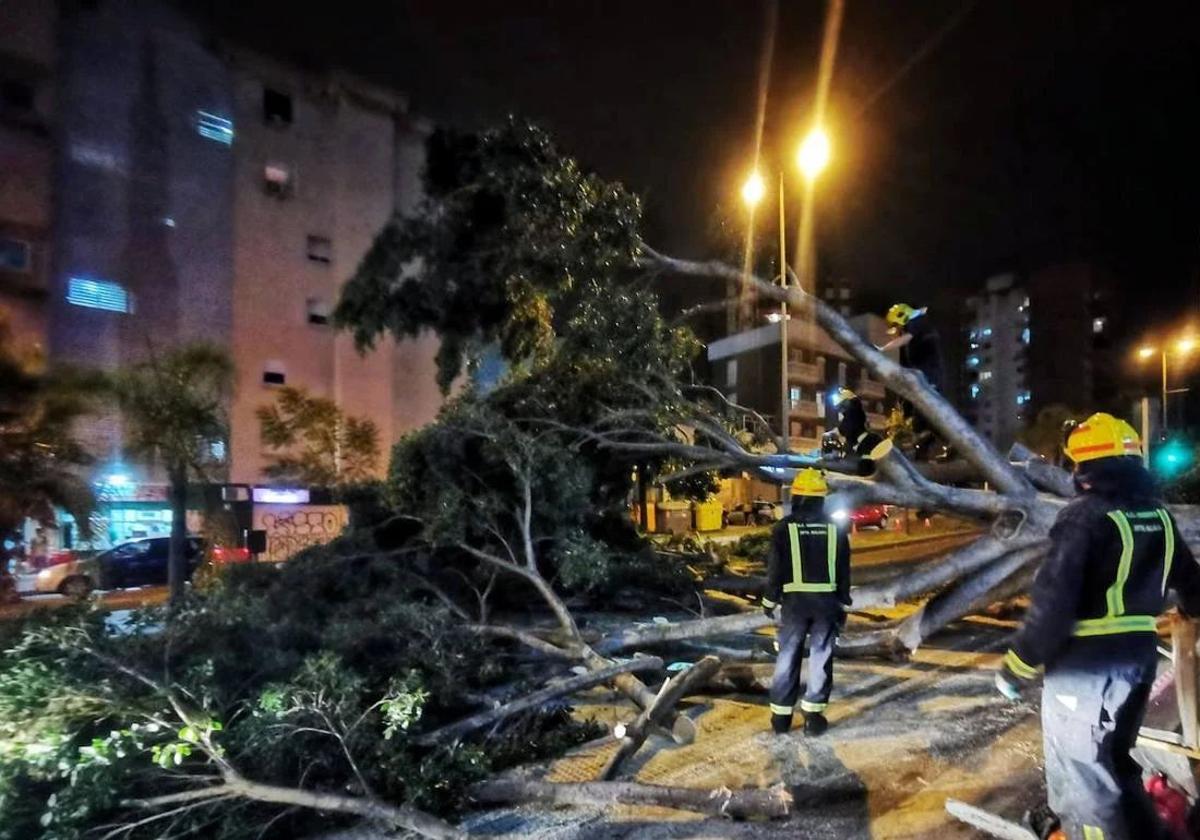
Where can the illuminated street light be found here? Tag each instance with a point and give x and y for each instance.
(1183, 346)
(754, 189)
(814, 153)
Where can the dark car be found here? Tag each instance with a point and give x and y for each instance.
(137, 563)
(143, 562)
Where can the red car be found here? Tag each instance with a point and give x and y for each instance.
(870, 516)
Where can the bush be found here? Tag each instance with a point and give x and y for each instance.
(281, 666)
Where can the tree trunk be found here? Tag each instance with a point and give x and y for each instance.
(177, 560)
(774, 803)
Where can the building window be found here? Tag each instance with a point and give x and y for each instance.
(1098, 325)
(16, 95)
(1025, 336)
(972, 361)
(15, 255)
(318, 311)
(985, 375)
(277, 107)
(98, 294)
(274, 374)
(975, 389)
(795, 395)
(278, 180)
(1023, 397)
(320, 249)
(211, 127)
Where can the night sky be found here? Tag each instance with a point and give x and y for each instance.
(1031, 131)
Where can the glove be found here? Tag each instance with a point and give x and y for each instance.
(1014, 676)
(770, 609)
(1007, 686)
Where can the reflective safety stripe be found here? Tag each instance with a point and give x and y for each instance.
(1019, 666)
(797, 583)
(769, 604)
(780, 710)
(1116, 592)
(1116, 624)
(1093, 832)
(1168, 546)
(809, 706)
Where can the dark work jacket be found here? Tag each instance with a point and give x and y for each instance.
(814, 531)
(1117, 529)
(924, 352)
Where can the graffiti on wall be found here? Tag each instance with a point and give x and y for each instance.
(291, 528)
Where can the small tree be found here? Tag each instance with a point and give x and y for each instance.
(175, 408)
(40, 460)
(313, 442)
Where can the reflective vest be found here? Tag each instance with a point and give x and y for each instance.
(1137, 582)
(813, 554)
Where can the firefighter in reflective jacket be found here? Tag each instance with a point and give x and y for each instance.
(852, 438)
(808, 580)
(1115, 553)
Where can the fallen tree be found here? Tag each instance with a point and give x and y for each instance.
(772, 803)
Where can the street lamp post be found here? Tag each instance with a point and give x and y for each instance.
(1182, 347)
(812, 158)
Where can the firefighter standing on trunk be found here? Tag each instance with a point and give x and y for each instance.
(808, 581)
(1115, 553)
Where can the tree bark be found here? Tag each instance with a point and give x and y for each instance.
(774, 803)
(454, 731)
(672, 691)
(177, 560)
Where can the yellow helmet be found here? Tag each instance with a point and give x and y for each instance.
(1102, 436)
(840, 396)
(899, 314)
(809, 482)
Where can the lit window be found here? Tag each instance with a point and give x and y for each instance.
(795, 395)
(318, 311)
(986, 332)
(985, 375)
(320, 249)
(211, 127)
(277, 180)
(15, 255)
(972, 361)
(1098, 325)
(1025, 336)
(277, 107)
(98, 294)
(216, 451)
(1023, 398)
(975, 389)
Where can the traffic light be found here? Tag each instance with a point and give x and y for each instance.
(1171, 458)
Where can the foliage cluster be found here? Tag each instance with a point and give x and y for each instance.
(315, 675)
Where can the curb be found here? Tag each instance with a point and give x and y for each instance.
(859, 549)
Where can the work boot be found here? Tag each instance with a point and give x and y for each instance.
(815, 724)
(781, 724)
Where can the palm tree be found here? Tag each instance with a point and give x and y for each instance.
(174, 406)
(41, 463)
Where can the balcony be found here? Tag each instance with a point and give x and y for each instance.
(809, 373)
(870, 389)
(806, 410)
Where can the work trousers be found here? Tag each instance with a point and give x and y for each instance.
(1092, 708)
(821, 635)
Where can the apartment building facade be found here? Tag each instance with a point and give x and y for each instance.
(28, 61)
(211, 194)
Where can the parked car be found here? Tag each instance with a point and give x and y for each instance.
(137, 563)
(870, 516)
